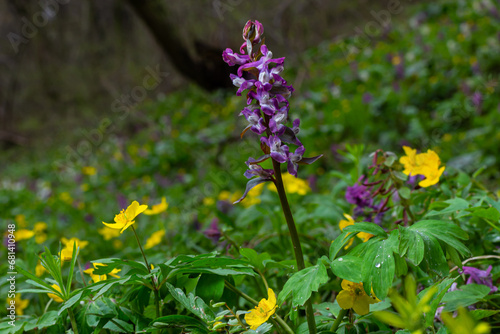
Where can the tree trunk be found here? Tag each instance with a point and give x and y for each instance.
(207, 70)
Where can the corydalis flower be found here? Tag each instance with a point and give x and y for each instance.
(267, 113)
(479, 276)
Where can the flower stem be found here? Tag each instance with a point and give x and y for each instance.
(337, 321)
(299, 256)
(73, 321)
(155, 288)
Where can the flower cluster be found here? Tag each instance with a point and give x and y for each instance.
(478, 276)
(426, 164)
(361, 196)
(267, 105)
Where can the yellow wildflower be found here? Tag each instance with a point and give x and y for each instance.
(89, 170)
(108, 233)
(426, 164)
(262, 312)
(117, 244)
(126, 217)
(157, 208)
(39, 269)
(66, 197)
(69, 244)
(293, 185)
(350, 221)
(20, 304)
(154, 239)
(20, 220)
(208, 201)
(98, 278)
(354, 296)
(40, 234)
(54, 296)
(23, 234)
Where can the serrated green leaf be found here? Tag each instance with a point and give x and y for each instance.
(192, 303)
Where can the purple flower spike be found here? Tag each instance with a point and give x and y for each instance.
(268, 107)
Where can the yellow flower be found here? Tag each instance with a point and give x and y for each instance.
(40, 234)
(350, 221)
(23, 234)
(67, 251)
(208, 201)
(262, 312)
(293, 185)
(157, 208)
(89, 170)
(98, 278)
(154, 239)
(39, 269)
(108, 233)
(426, 164)
(66, 197)
(20, 220)
(20, 304)
(126, 217)
(354, 296)
(54, 296)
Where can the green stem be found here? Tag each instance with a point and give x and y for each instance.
(299, 257)
(253, 301)
(338, 321)
(73, 322)
(155, 289)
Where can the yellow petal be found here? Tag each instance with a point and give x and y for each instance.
(134, 210)
(345, 299)
(362, 305)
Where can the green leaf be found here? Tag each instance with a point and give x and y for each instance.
(194, 304)
(466, 295)
(303, 283)
(454, 205)
(72, 268)
(339, 242)
(182, 321)
(479, 314)
(371, 228)
(348, 267)
(445, 231)
(404, 192)
(434, 259)
(442, 288)
(70, 302)
(490, 214)
(411, 244)
(46, 320)
(257, 260)
(379, 266)
(210, 287)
